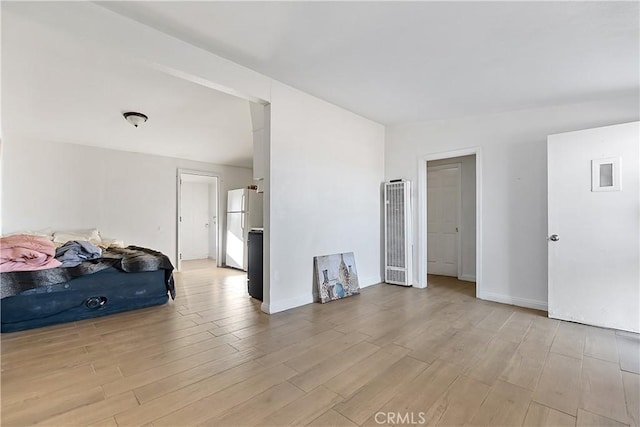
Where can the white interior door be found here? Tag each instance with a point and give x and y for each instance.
(593, 240)
(195, 220)
(213, 219)
(443, 218)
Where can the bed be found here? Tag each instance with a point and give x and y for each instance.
(122, 279)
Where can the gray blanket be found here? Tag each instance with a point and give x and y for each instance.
(75, 252)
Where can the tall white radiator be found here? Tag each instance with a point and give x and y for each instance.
(398, 269)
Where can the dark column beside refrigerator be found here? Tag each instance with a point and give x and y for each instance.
(254, 264)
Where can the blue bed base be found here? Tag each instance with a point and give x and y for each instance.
(105, 292)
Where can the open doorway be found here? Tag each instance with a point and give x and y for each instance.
(451, 225)
(198, 220)
(449, 246)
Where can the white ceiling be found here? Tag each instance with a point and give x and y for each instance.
(407, 61)
(58, 89)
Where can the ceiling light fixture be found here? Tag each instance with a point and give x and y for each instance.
(136, 119)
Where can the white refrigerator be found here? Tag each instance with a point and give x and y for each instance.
(244, 212)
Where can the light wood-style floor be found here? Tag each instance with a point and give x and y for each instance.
(212, 358)
(198, 264)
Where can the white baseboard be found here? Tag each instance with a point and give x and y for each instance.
(467, 278)
(264, 307)
(287, 304)
(508, 299)
(370, 282)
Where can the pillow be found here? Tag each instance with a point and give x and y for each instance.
(91, 235)
(39, 233)
(111, 243)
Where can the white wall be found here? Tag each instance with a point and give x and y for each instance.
(126, 195)
(468, 220)
(326, 168)
(514, 204)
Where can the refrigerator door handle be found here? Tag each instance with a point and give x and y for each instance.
(242, 222)
(243, 207)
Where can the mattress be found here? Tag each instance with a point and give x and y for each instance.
(105, 292)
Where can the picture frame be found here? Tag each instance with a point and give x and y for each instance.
(336, 276)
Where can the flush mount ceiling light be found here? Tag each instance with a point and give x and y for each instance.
(136, 119)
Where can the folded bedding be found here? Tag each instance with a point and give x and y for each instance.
(111, 243)
(91, 235)
(24, 252)
(75, 252)
(132, 259)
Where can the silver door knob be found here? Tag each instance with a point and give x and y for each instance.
(554, 237)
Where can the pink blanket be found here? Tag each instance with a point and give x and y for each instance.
(27, 253)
